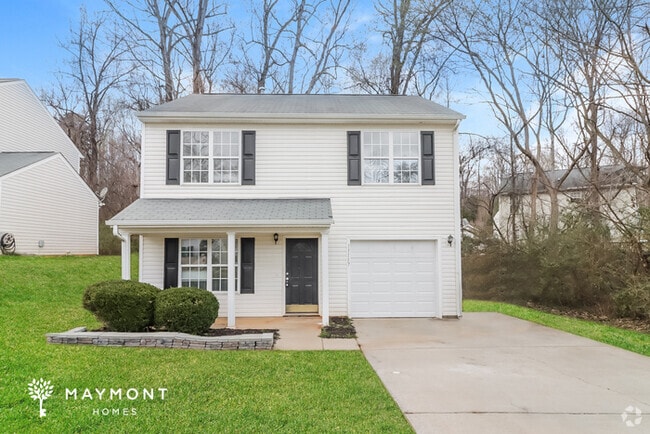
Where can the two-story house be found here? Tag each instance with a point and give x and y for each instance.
(331, 204)
(44, 203)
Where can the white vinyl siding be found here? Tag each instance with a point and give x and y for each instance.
(49, 202)
(300, 161)
(27, 126)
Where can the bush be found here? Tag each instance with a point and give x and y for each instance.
(187, 310)
(577, 267)
(122, 305)
(634, 300)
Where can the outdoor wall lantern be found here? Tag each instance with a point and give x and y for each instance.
(276, 237)
(450, 240)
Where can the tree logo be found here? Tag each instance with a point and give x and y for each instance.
(632, 416)
(40, 390)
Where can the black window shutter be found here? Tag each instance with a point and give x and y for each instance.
(354, 158)
(173, 157)
(247, 264)
(248, 158)
(171, 263)
(428, 158)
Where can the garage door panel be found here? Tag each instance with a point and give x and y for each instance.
(393, 279)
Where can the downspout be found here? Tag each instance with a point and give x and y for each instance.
(457, 226)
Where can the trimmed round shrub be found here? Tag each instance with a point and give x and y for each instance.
(122, 305)
(186, 310)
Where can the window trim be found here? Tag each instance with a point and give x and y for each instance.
(209, 265)
(211, 157)
(391, 157)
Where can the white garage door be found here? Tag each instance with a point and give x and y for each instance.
(393, 279)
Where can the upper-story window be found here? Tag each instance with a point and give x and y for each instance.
(211, 157)
(391, 158)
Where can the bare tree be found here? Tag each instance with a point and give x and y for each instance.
(199, 20)
(152, 39)
(411, 63)
(294, 50)
(501, 44)
(84, 100)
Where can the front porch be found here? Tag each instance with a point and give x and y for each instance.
(258, 257)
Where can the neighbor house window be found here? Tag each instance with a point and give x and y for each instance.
(211, 157)
(204, 264)
(391, 158)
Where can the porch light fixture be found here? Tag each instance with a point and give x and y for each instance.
(276, 237)
(450, 240)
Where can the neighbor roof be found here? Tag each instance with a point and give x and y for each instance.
(12, 161)
(225, 212)
(301, 106)
(578, 179)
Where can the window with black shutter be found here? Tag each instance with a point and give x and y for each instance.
(173, 157)
(248, 158)
(171, 263)
(247, 264)
(428, 158)
(354, 158)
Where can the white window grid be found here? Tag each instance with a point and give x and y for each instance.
(199, 256)
(391, 157)
(211, 157)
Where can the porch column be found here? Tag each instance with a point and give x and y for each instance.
(231, 280)
(126, 252)
(325, 285)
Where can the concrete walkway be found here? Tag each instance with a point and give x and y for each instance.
(296, 332)
(490, 373)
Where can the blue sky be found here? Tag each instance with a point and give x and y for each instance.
(30, 36)
(30, 49)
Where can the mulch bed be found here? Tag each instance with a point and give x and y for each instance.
(340, 327)
(234, 332)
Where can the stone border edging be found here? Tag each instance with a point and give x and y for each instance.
(79, 336)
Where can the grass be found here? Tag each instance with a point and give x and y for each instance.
(626, 339)
(207, 391)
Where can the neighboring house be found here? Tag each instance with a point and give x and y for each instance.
(620, 196)
(44, 202)
(335, 204)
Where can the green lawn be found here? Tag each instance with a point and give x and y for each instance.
(207, 391)
(626, 339)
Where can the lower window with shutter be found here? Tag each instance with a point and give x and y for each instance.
(204, 264)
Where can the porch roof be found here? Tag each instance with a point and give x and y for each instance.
(179, 213)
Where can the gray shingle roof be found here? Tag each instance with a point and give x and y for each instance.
(225, 212)
(303, 106)
(12, 161)
(578, 179)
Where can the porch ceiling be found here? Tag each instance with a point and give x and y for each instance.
(204, 213)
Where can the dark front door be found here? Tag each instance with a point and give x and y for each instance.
(301, 278)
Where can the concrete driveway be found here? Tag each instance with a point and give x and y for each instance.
(491, 373)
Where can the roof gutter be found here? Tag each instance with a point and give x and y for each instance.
(297, 118)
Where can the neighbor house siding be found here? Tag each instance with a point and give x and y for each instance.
(27, 126)
(47, 201)
(297, 161)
